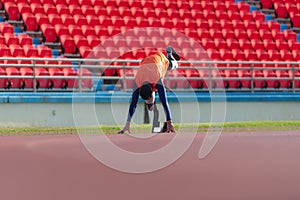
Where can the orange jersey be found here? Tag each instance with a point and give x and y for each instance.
(152, 69)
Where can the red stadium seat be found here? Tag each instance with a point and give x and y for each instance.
(67, 19)
(63, 9)
(70, 82)
(46, 1)
(273, 26)
(80, 40)
(16, 50)
(226, 54)
(194, 83)
(280, 10)
(12, 11)
(13, 82)
(246, 16)
(72, 2)
(93, 41)
(295, 74)
(28, 82)
(241, 34)
(231, 73)
(87, 30)
(274, 55)
(80, 20)
(265, 35)
(30, 22)
(37, 8)
(243, 6)
(238, 25)
(75, 10)
(267, 4)
(54, 19)
(278, 35)
(262, 55)
(262, 26)
(57, 82)
(290, 35)
(295, 18)
(286, 55)
(250, 54)
(281, 45)
(213, 54)
(85, 82)
(207, 5)
(75, 30)
(258, 16)
(68, 44)
(44, 51)
(6, 28)
(253, 35)
(42, 82)
(10, 39)
(30, 51)
(49, 8)
(84, 51)
(24, 7)
(24, 39)
(270, 45)
(42, 19)
(245, 44)
(92, 20)
(215, 33)
(87, 10)
(257, 44)
(61, 29)
(220, 43)
(284, 83)
(238, 54)
(258, 83)
(245, 78)
(271, 76)
(49, 32)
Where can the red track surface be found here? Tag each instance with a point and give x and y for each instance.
(258, 165)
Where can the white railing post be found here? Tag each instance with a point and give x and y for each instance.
(124, 77)
(34, 76)
(80, 76)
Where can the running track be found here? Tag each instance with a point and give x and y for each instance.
(242, 166)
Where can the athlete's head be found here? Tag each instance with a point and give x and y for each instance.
(146, 91)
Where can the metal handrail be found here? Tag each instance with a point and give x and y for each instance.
(125, 65)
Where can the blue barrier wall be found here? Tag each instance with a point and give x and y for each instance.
(57, 109)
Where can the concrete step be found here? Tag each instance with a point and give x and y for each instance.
(269, 12)
(67, 55)
(255, 3)
(297, 30)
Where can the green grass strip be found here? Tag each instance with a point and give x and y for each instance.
(146, 128)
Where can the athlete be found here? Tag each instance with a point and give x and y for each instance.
(148, 80)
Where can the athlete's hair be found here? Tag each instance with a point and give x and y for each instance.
(146, 90)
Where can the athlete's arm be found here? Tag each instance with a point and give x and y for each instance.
(163, 98)
(133, 103)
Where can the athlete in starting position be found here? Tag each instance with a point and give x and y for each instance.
(148, 80)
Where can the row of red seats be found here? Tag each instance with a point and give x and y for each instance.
(15, 10)
(267, 79)
(285, 9)
(27, 50)
(43, 83)
(127, 3)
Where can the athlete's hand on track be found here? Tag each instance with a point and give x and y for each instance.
(170, 127)
(126, 128)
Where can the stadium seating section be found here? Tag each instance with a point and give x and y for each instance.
(227, 30)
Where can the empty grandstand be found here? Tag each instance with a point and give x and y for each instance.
(78, 44)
